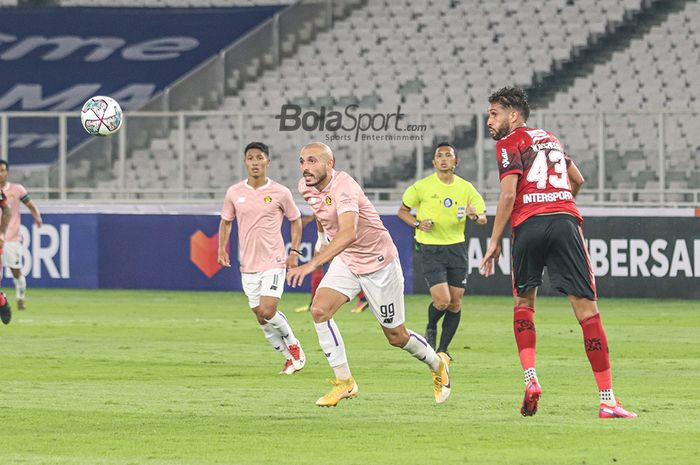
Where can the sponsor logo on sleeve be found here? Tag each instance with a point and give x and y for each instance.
(504, 158)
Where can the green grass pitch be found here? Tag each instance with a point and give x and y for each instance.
(175, 378)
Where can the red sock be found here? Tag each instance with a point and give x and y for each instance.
(597, 351)
(525, 336)
(362, 297)
(316, 278)
(3, 300)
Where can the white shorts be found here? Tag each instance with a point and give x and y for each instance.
(12, 254)
(383, 289)
(269, 283)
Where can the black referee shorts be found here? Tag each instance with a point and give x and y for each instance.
(554, 241)
(444, 264)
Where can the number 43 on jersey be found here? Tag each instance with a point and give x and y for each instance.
(539, 171)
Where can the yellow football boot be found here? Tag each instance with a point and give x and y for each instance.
(441, 379)
(342, 389)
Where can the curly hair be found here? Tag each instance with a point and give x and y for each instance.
(512, 97)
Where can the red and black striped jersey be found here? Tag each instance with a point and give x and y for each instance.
(541, 163)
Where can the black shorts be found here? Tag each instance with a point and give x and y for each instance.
(444, 264)
(554, 241)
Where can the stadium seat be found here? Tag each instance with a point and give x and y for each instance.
(646, 76)
(391, 53)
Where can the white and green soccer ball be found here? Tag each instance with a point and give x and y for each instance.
(101, 116)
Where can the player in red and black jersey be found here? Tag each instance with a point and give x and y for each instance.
(5, 310)
(538, 185)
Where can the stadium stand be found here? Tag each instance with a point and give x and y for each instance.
(655, 72)
(438, 60)
(172, 3)
(402, 53)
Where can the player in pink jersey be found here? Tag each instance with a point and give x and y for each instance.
(15, 194)
(319, 272)
(5, 310)
(538, 185)
(258, 204)
(363, 258)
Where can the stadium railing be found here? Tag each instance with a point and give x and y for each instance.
(201, 161)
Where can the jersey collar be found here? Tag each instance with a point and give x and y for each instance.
(513, 131)
(267, 184)
(437, 178)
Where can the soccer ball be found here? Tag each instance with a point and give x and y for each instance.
(101, 116)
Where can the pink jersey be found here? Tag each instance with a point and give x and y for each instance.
(374, 248)
(14, 193)
(259, 213)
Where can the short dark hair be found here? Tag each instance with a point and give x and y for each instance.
(260, 146)
(445, 144)
(4, 162)
(512, 97)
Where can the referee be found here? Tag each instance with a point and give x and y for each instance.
(443, 202)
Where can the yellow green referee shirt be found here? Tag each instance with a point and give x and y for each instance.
(446, 205)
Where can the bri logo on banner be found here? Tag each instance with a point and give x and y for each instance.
(45, 252)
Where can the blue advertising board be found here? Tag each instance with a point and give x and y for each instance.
(630, 256)
(63, 252)
(180, 252)
(56, 58)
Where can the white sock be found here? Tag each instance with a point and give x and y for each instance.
(529, 374)
(275, 340)
(420, 349)
(333, 347)
(20, 286)
(607, 397)
(342, 371)
(280, 323)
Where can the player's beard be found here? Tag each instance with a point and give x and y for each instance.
(319, 179)
(500, 134)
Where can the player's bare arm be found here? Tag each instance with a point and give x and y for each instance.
(575, 178)
(408, 218)
(322, 240)
(347, 234)
(35, 213)
(506, 199)
(4, 222)
(479, 218)
(478, 215)
(224, 233)
(293, 258)
(306, 220)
